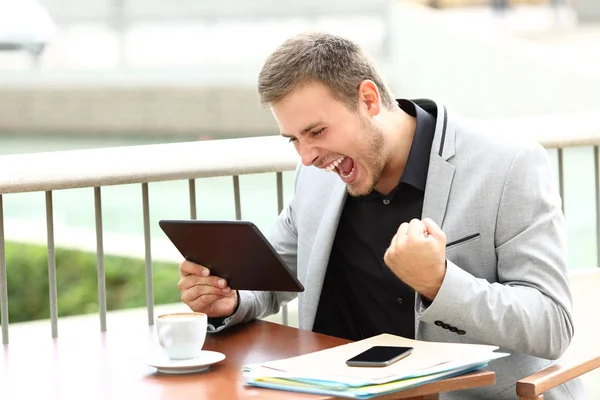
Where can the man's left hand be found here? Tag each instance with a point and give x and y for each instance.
(417, 255)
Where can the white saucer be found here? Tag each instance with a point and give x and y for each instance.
(165, 365)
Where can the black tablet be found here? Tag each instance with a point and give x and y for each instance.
(234, 250)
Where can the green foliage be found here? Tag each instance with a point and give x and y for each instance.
(77, 282)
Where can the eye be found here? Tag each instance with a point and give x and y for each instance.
(292, 139)
(317, 133)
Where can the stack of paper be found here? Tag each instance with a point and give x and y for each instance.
(326, 372)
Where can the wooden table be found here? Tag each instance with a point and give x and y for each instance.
(110, 366)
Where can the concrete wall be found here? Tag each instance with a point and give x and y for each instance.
(196, 111)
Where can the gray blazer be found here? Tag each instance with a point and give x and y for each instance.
(506, 282)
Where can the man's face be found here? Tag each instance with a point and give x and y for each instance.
(329, 135)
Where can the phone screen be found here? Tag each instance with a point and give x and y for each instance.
(379, 356)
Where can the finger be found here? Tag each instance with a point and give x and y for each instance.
(191, 268)
(194, 280)
(195, 292)
(434, 229)
(188, 281)
(392, 248)
(394, 242)
(386, 256)
(416, 229)
(402, 229)
(202, 303)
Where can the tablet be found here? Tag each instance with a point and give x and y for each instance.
(234, 250)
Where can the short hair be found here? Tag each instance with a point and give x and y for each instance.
(336, 62)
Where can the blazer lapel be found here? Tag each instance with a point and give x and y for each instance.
(319, 257)
(439, 180)
(440, 172)
(437, 190)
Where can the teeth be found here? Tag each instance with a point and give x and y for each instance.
(337, 162)
(334, 164)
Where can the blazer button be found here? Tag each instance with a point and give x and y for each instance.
(439, 323)
(446, 326)
(399, 300)
(460, 332)
(453, 329)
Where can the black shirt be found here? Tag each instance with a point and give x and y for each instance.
(361, 296)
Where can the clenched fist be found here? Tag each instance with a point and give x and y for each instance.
(205, 293)
(417, 255)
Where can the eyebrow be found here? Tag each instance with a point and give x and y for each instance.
(304, 131)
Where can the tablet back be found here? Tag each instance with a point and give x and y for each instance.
(234, 250)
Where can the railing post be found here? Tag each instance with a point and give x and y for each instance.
(148, 253)
(279, 179)
(51, 265)
(236, 196)
(597, 187)
(192, 187)
(561, 178)
(100, 258)
(3, 280)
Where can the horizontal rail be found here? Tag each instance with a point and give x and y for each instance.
(229, 157)
(554, 131)
(148, 163)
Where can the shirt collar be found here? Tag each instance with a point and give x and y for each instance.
(417, 164)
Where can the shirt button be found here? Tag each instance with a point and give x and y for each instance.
(386, 201)
(399, 300)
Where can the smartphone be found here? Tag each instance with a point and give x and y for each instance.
(379, 356)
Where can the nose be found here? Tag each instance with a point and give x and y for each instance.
(309, 154)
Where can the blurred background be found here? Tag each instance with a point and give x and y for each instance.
(80, 74)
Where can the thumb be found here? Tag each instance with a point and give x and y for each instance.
(434, 230)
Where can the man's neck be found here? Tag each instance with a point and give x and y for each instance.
(399, 135)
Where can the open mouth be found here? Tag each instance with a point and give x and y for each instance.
(345, 167)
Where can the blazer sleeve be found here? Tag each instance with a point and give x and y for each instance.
(259, 304)
(529, 309)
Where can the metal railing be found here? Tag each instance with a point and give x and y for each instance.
(96, 168)
(136, 164)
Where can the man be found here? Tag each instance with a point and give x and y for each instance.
(449, 233)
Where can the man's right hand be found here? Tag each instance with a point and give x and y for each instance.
(205, 293)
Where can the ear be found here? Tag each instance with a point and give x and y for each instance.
(369, 97)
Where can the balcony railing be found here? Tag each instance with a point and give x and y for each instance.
(98, 168)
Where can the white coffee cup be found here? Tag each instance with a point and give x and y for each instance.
(182, 335)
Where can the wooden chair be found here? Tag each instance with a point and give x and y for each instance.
(584, 354)
(570, 367)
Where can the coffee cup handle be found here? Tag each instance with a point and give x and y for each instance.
(164, 337)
